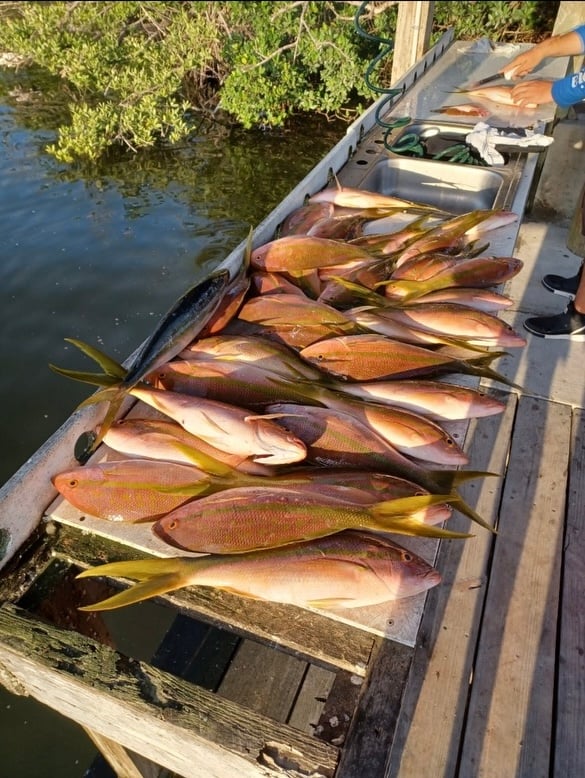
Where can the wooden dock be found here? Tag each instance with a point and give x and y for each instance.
(488, 681)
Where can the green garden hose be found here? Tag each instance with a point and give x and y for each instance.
(410, 144)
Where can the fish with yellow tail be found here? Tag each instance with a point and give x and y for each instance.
(226, 427)
(158, 438)
(351, 569)
(348, 197)
(141, 490)
(250, 518)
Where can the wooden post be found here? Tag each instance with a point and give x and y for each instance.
(413, 33)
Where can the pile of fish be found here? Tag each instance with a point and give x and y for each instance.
(291, 418)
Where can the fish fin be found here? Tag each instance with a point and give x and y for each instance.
(111, 379)
(239, 593)
(272, 416)
(136, 593)
(188, 490)
(115, 404)
(107, 394)
(460, 505)
(446, 479)
(404, 506)
(361, 291)
(205, 462)
(109, 365)
(156, 576)
(410, 289)
(332, 603)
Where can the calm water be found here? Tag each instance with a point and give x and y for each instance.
(100, 257)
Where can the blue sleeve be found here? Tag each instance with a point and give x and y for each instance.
(569, 90)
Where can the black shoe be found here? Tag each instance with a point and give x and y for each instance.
(569, 325)
(566, 287)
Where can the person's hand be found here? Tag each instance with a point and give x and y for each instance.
(523, 64)
(529, 94)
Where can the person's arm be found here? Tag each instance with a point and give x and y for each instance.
(567, 45)
(564, 92)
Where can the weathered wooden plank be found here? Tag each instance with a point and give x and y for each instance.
(569, 754)
(436, 695)
(311, 698)
(373, 724)
(263, 679)
(512, 695)
(173, 723)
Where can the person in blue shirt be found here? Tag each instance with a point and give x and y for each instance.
(565, 92)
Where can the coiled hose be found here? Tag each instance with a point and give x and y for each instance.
(410, 144)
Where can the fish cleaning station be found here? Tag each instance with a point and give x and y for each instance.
(478, 673)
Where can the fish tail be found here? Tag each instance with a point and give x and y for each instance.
(406, 290)
(95, 379)
(468, 511)
(396, 516)
(112, 381)
(113, 375)
(108, 365)
(107, 394)
(115, 403)
(484, 371)
(155, 576)
(447, 479)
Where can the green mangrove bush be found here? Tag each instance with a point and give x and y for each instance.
(134, 75)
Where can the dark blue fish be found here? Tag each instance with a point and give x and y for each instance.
(179, 326)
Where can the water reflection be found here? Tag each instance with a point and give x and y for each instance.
(99, 255)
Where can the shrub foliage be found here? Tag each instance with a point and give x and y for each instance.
(139, 74)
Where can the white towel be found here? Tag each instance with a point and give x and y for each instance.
(484, 139)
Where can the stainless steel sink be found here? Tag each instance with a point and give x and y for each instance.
(452, 187)
(378, 166)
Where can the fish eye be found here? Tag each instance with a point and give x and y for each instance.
(73, 482)
(407, 556)
(173, 524)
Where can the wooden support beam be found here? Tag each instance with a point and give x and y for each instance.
(148, 711)
(122, 762)
(413, 33)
